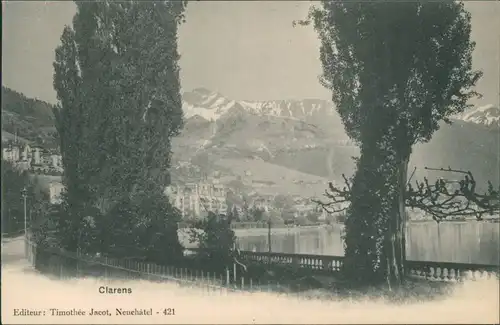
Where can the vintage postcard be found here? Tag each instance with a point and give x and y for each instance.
(250, 162)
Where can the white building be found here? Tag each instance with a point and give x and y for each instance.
(26, 154)
(37, 155)
(55, 191)
(11, 153)
(197, 199)
(56, 162)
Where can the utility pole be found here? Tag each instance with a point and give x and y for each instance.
(24, 194)
(268, 232)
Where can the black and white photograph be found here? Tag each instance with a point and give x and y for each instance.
(250, 162)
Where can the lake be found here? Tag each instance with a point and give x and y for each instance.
(460, 242)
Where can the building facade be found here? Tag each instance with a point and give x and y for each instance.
(197, 199)
(33, 158)
(55, 192)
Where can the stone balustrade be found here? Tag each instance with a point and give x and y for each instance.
(444, 271)
(437, 271)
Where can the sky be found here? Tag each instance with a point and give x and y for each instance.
(244, 50)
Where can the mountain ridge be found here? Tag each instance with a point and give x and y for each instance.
(308, 136)
(213, 105)
(292, 138)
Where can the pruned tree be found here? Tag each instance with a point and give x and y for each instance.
(117, 81)
(446, 198)
(440, 200)
(396, 70)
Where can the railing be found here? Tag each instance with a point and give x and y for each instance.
(64, 265)
(443, 271)
(251, 225)
(313, 264)
(241, 225)
(319, 263)
(438, 271)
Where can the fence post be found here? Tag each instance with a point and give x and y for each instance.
(77, 262)
(234, 274)
(60, 269)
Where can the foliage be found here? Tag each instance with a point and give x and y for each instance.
(215, 238)
(37, 200)
(13, 181)
(312, 216)
(234, 215)
(117, 82)
(283, 201)
(257, 214)
(145, 227)
(395, 71)
(44, 220)
(31, 119)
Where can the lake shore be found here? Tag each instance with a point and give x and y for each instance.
(183, 233)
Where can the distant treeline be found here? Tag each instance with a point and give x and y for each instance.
(31, 119)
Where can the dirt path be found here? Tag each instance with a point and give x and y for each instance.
(12, 251)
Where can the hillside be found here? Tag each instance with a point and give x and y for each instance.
(280, 142)
(31, 119)
(6, 136)
(307, 136)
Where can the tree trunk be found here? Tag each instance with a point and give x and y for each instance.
(395, 250)
(366, 225)
(375, 240)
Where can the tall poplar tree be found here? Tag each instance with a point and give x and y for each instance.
(396, 70)
(117, 81)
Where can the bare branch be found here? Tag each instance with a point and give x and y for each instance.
(443, 199)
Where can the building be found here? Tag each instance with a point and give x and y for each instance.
(56, 162)
(34, 158)
(11, 153)
(197, 199)
(264, 202)
(37, 154)
(55, 192)
(26, 155)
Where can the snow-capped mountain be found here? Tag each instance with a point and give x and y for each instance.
(205, 103)
(212, 106)
(308, 136)
(488, 115)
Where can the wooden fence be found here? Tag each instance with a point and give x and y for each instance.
(64, 265)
